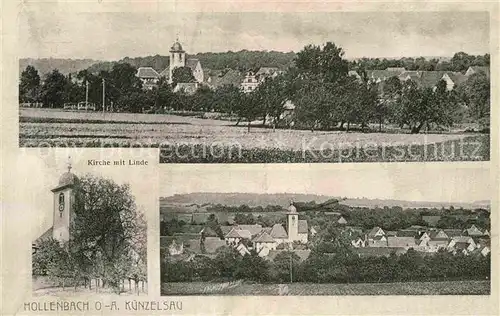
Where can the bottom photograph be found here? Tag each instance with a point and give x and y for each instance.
(398, 230)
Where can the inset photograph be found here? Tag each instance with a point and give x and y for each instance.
(297, 87)
(325, 231)
(93, 234)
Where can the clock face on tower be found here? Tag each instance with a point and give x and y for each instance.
(61, 203)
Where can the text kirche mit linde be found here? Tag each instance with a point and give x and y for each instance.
(120, 162)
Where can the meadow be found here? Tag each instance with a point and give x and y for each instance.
(184, 139)
(304, 289)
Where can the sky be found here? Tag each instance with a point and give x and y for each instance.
(115, 35)
(37, 171)
(410, 182)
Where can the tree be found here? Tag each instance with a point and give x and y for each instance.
(286, 266)
(273, 93)
(29, 85)
(475, 92)
(250, 107)
(52, 93)
(107, 229)
(326, 61)
(421, 107)
(182, 75)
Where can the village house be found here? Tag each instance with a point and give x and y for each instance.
(148, 76)
(250, 82)
(243, 238)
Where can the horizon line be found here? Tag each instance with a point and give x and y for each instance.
(337, 197)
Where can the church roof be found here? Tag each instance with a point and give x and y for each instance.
(192, 63)
(67, 179)
(303, 229)
(176, 47)
(278, 231)
(292, 209)
(264, 237)
(46, 235)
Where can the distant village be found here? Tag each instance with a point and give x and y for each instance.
(248, 81)
(199, 236)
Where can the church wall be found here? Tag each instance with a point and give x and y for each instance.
(302, 237)
(62, 219)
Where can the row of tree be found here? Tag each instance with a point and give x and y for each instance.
(245, 60)
(331, 267)
(460, 62)
(318, 85)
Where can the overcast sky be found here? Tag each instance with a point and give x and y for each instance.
(112, 36)
(411, 182)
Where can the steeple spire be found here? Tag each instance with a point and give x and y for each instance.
(69, 164)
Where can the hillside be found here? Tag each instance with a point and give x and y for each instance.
(237, 199)
(283, 199)
(65, 66)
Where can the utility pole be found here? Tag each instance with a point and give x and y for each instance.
(291, 265)
(103, 95)
(86, 94)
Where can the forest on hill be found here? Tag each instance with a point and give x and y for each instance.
(283, 199)
(244, 60)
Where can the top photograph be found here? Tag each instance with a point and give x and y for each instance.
(250, 87)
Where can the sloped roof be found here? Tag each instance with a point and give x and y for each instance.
(474, 231)
(231, 77)
(253, 229)
(278, 231)
(147, 72)
(192, 63)
(266, 71)
(401, 242)
(239, 233)
(461, 245)
(430, 79)
(460, 239)
(211, 245)
(453, 232)
(457, 77)
(438, 242)
(165, 73)
(484, 69)
(303, 228)
(46, 235)
(226, 229)
(264, 237)
(374, 231)
(435, 234)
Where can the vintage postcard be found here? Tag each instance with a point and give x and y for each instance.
(249, 158)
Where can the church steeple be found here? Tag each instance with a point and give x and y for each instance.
(64, 197)
(177, 58)
(292, 223)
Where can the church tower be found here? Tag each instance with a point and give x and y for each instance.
(177, 58)
(64, 198)
(292, 223)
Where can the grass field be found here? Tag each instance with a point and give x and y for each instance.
(188, 139)
(304, 289)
